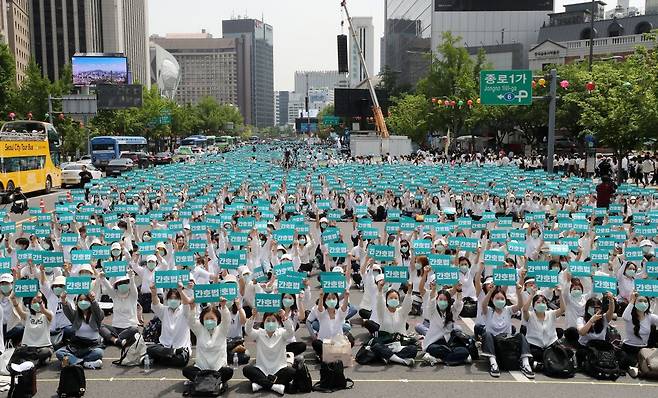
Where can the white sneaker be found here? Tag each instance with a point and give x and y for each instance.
(430, 359)
(468, 360)
(633, 372)
(256, 387)
(279, 388)
(97, 364)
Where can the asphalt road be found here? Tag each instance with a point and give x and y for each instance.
(34, 201)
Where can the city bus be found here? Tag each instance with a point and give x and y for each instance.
(29, 157)
(195, 141)
(225, 141)
(211, 140)
(106, 148)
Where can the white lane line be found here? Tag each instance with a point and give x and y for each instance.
(518, 376)
(469, 324)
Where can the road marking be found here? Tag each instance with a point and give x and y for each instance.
(518, 376)
(469, 324)
(418, 381)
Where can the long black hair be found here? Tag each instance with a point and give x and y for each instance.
(448, 318)
(593, 302)
(636, 321)
(214, 310)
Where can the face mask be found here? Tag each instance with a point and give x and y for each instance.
(150, 265)
(540, 307)
(530, 290)
(288, 302)
(302, 242)
(500, 304)
(564, 264)
(404, 249)
(463, 268)
(116, 253)
(36, 307)
(6, 289)
(323, 225)
(123, 289)
(642, 306)
(331, 303)
(418, 266)
(271, 326)
(442, 304)
(440, 249)
(535, 235)
(58, 291)
(173, 303)
(576, 294)
(49, 271)
(84, 305)
(65, 227)
(210, 324)
(146, 238)
(393, 303)
(630, 273)
(591, 311)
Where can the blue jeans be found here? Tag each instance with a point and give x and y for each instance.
(422, 328)
(92, 355)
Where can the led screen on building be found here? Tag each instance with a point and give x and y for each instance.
(493, 5)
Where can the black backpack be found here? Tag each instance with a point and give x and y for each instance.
(332, 378)
(559, 362)
(601, 361)
(72, 382)
(23, 384)
(152, 331)
(508, 351)
(302, 383)
(470, 309)
(207, 383)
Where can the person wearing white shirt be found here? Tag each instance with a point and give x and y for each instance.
(540, 324)
(638, 322)
(174, 345)
(575, 297)
(594, 324)
(271, 371)
(443, 311)
(37, 330)
(124, 311)
(154, 262)
(210, 329)
(331, 318)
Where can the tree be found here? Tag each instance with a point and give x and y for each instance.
(409, 117)
(389, 82)
(32, 96)
(214, 117)
(7, 78)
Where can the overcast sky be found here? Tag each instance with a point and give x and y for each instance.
(304, 30)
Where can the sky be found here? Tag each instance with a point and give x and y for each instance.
(304, 30)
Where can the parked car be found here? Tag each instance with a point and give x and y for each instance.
(141, 159)
(86, 159)
(117, 166)
(71, 173)
(162, 158)
(183, 153)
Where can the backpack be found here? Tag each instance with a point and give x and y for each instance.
(134, 354)
(365, 355)
(508, 351)
(332, 378)
(559, 362)
(302, 383)
(647, 360)
(152, 330)
(207, 383)
(601, 361)
(72, 382)
(23, 384)
(470, 308)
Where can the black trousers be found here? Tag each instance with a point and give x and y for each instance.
(108, 332)
(255, 375)
(166, 356)
(190, 372)
(297, 348)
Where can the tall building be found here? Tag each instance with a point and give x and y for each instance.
(59, 29)
(258, 49)
(651, 7)
(208, 66)
(281, 100)
(17, 17)
(486, 23)
(165, 71)
(3, 21)
(316, 79)
(365, 35)
(125, 31)
(406, 45)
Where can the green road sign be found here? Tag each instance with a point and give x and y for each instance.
(331, 120)
(506, 87)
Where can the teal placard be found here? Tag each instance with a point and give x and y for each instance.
(466, 244)
(284, 268)
(370, 233)
(534, 267)
(518, 234)
(381, 252)
(230, 259)
(558, 250)
(78, 284)
(337, 250)
(494, 258)
(446, 275)
(26, 287)
(169, 279)
(440, 260)
(228, 290)
(396, 274)
(284, 236)
(604, 284)
(112, 235)
(551, 236)
(100, 252)
(206, 293)
(80, 257)
(198, 245)
(546, 278)
(289, 284)
(115, 269)
(646, 287)
(516, 248)
(333, 282)
(633, 253)
(184, 259)
(505, 222)
(330, 235)
(580, 268)
(652, 269)
(422, 246)
(504, 276)
(238, 238)
(52, 259)
(499, 235)
(146, 248)
(268, 303)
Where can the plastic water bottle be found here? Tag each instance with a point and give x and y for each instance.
(147, 364)
(235, 360)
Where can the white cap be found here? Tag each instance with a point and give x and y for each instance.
(151, 257)
(377, 267)
(379, 277)
(121, 279)
(85, 267)
(646, 242)
(324, 219)
(230, 278)
(280, 247)
(96, 241)
(6, 278)
(115, 246)
(59, 280)
(244, 270)
(286, 257)
(337, 269)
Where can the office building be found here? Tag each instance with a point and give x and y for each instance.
(486, 23)
(165, 71)
(125, 31)
(282, 99)
(406, 45)
(296, 106)
(60, 29)
(365, 36)
(316, 79)
(651, 7)
(15, 19)
(208, 66)
(257, 48)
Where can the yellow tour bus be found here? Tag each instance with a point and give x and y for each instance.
(29, 157)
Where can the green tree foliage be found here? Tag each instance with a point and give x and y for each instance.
(409, 116)
(32, 96)
(213, 117)
(7, 79)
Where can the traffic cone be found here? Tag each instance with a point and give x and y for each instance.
(42, 206)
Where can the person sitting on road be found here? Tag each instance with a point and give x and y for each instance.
(86, 319)
(35, 345)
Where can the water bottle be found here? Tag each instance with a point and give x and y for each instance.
(235, 360)
(147, 364)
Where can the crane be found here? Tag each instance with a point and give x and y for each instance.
(380, 123)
